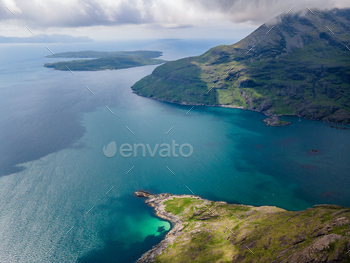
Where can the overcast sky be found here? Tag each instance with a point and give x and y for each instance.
(133, 19)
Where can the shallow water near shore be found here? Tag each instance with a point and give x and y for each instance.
(55, 175)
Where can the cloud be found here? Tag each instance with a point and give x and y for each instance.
(166, 13)
(259, 11)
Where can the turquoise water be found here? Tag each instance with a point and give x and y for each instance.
(52, 135)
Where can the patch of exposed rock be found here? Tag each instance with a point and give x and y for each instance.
(318, 251)
(275, 121)
(143, 194)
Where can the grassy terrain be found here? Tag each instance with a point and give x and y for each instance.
(238, 233)
(299, 68)
(105, 60)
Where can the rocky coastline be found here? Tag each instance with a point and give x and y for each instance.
(271, 120)
(157, 202)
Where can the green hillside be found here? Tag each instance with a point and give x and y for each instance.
(298, 67)
(221, 232)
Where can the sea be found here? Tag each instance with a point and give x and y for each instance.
(69, 166)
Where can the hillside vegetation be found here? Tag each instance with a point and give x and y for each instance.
(221, 232)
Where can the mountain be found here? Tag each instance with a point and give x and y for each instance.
(297, 65)
(207, 231)
(43, 38)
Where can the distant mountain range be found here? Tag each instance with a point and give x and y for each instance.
(43, 38)
(298, 65)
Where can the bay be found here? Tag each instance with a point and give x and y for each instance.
(63, 200)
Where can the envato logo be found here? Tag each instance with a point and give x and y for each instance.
(165, 150)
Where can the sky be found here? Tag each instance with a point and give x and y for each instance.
(147, 19)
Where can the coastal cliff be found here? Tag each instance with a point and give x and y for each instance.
(207, 231)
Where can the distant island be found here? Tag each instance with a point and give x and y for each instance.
(207, 231)
(105, 60)
(43, 38)
(298, 65)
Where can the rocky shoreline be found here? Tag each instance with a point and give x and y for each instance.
(157, 202)
(271, 120)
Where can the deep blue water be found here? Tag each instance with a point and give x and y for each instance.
(53, 170)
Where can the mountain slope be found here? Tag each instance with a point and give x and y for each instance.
(301, 66)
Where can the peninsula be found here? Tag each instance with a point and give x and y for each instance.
(207, 231)
(297, 64)
(95, 60)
